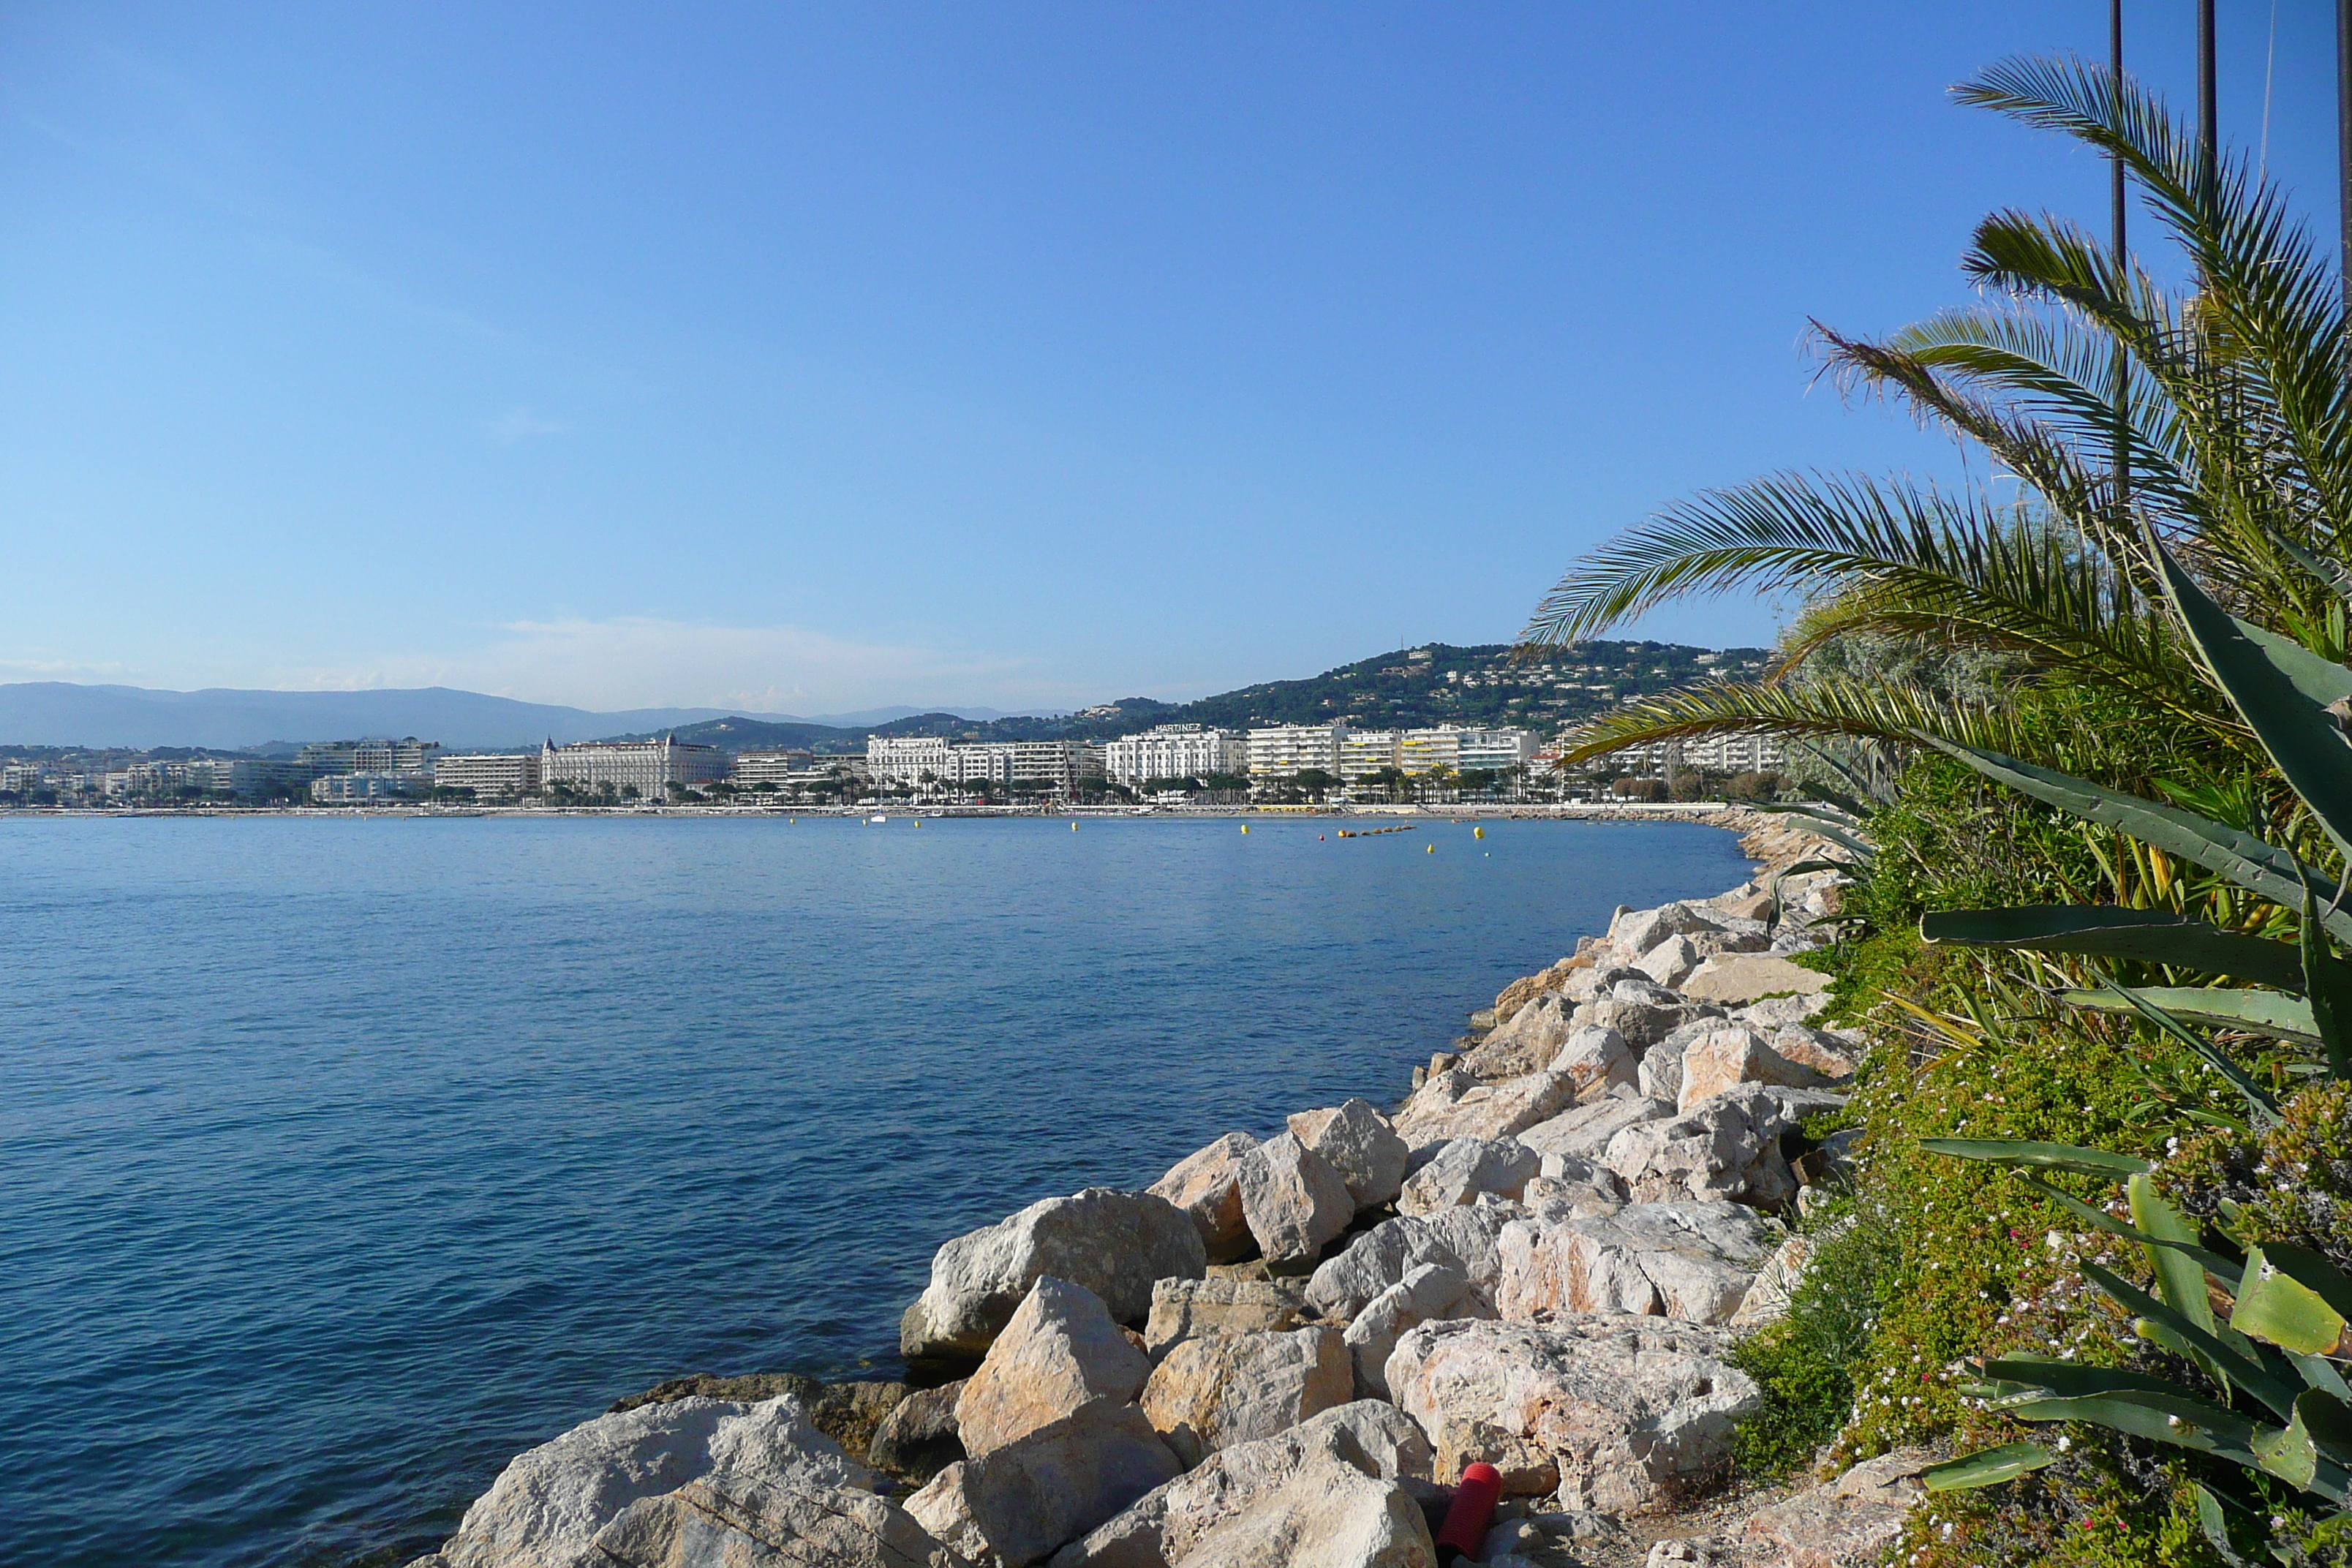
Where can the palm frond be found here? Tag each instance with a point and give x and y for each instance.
(1894, 714)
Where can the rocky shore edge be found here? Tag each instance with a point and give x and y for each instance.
(1286, 1351)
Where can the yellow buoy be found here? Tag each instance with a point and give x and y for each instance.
(1074, 827)
(1430, 848)
(1477, 833)
(1244, 827)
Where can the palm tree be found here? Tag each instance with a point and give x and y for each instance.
(2233, 410)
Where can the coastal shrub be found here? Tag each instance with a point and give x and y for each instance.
(1805, 1363)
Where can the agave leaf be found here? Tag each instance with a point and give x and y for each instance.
(2299, 734)
(2215, 1524)
(1987, 1468)
(2226, 1271)
(2314, 1272)
(2146, 936)
(2040, 1156)
(2260, 1105)
(2272, 1012)
(2226, 851)
(2185, 1422)
(2284, 1311)
(2321, 681)
(1840, 833)
(2073, 1379)
(2288, 1452)
(2321, 1374)
(2180, 1280)
(2240, 1362)
(2328, 988)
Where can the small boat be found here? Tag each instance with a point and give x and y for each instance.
(877, 819)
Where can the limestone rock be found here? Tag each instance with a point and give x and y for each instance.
(1205, 1185)
(1113, 1243)
(1689, 1261)
(1294, 1201)
(1519, 993)
(1185, 1309)
(1472, 1233)
(1598, 1059)
(1432, 1290)
(1644, 929)
(1329, 1515)
(1633, 1414)
(1775, 1013)
(1212, 1392)
(726, 1521)
(1368, 1435)
(1028, 1498)
(1721, 1058)
(1466, 1167)
(1775, 1286)
(1726, 1148)
(1828, 1053)
(1579, 1188)
(1736, 978)
(1585, 1132)
(1060, 1351)
(1597, 980)
(1457, 1105)
(1845, 1524)
(1343, 1285)
(547, 1505)
(1356, 1141)
(1525, 1045)
(918, 1437)
(1639, 1022)
(1671, 961)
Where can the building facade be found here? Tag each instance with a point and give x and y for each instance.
(339, 789)
(384, 756)
(773, 767)
(1363, 753)
(490, 775)
(1174, 751)
(905, 759)
(1282, 750)
(1492, 751)
(1706, 753)
(648, 767)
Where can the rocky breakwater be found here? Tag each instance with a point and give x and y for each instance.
(1287, 1350)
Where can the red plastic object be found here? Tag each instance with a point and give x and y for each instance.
(1473, 1511)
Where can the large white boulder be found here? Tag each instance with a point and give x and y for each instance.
(1457, 1105)
(1584, 1131)
(1432, 1290)
(1213, 1391)
(1370, 1435)
(1186, 1308)
(1294, 1201)
(1464, 1167)
(1060, 1353)
(727, 1522)
(1624, 1415)
(1356, 1141)
(1329, 1515)
(1726, 1147)
(1206, 1184)
(1686, 1260)
(1464, 1236)
(1524, 1045)
(1598, 1059)
(1720, 1057)
(548, 1504)
(1113, 1243)
(1640, 930)
(1738, 979)
(1016, 1505)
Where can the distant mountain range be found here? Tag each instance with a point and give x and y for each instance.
(57, 713)
(1486, 684)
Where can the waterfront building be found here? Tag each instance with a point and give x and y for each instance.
(1750, 753)
(1174, 751)
(987, 763)
(1282, 750)
(1054, 765)
(380, 756)
(649, 767)
(1492, 751)
(905, 759)
(342, 789)
(489, 775)
(773, 767)
(1365, 752)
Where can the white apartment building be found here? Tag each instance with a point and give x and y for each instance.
(1363, 753)
(649, 766)
(1750, 753)
(991, 762)
(382, 756)
(1056, 765)
(905, 759)
(1174, 751)
(1287, 749)
(490, 775)
(338, 789)
(773, 767)
(1492, 751)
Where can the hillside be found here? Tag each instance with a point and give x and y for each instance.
(1410, 688)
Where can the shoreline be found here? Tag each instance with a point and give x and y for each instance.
(921, 1432)
(1735, 818)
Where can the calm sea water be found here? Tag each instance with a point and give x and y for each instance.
(344, 1159)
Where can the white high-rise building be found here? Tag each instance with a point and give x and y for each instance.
(1492, 751)
(773, 767)
(649, 767)
(490, 775)
(1174, 751)
(1286, 749)
(1365, 752)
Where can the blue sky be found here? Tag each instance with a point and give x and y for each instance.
(805, 358)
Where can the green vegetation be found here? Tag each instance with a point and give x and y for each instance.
(2094, 1241)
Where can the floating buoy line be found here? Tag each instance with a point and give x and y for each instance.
(1376, 832)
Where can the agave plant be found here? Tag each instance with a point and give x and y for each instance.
(2233, 411)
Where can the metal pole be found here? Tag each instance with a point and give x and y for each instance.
(2209, 149)
(2123, 363)
(2343, 149)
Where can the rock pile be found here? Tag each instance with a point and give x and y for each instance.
(1286, 1351)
